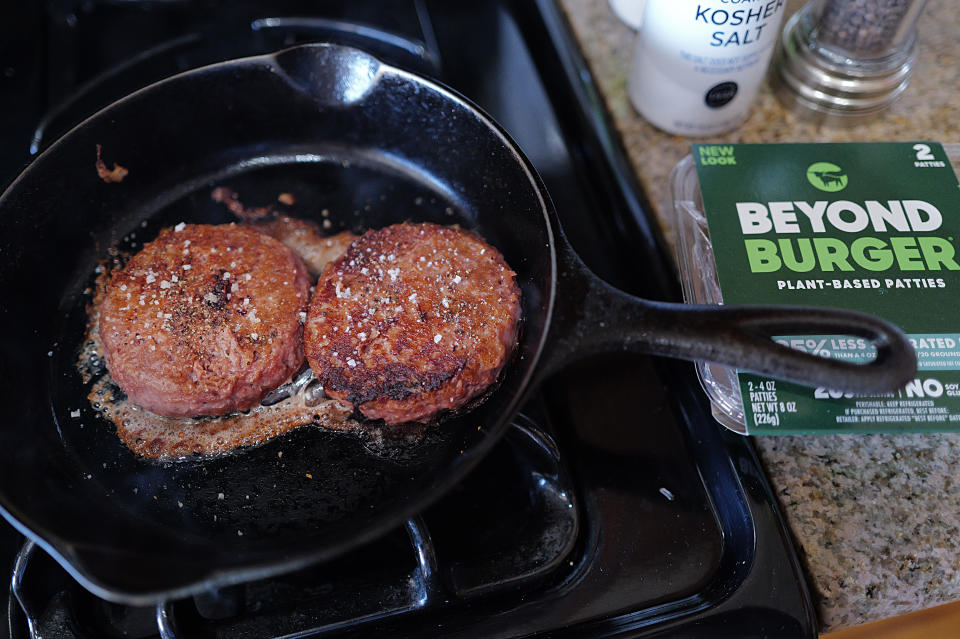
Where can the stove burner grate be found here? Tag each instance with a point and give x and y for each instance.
(445, 557)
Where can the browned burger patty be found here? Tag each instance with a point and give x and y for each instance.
(411, 320)
(205, 320)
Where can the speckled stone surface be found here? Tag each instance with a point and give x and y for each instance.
(876, 518)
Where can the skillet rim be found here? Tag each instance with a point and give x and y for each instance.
(70, 555)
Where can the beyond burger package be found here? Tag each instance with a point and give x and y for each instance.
(873, 227)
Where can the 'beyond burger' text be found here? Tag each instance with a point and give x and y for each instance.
(829, 253)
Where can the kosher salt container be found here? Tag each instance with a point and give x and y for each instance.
(698, 66)
(701, 285)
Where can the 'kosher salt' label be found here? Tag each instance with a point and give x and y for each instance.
(868, 226)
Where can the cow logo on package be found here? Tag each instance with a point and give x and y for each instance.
(827, 176)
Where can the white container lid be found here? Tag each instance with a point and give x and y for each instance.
(630, 12)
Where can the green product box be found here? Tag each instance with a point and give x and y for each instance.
(868, 226)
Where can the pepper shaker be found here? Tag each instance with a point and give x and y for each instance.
(843, 61)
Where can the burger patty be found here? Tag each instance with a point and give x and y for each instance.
(412, 320)
(204, 320)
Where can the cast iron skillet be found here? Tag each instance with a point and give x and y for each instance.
(371, 145)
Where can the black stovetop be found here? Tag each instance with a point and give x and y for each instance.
(616, 506)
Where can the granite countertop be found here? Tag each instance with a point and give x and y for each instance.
(876, 518)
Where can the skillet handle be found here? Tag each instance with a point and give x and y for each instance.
(591, 317)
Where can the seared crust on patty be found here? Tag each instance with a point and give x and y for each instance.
(412, 320)
(205, 320)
